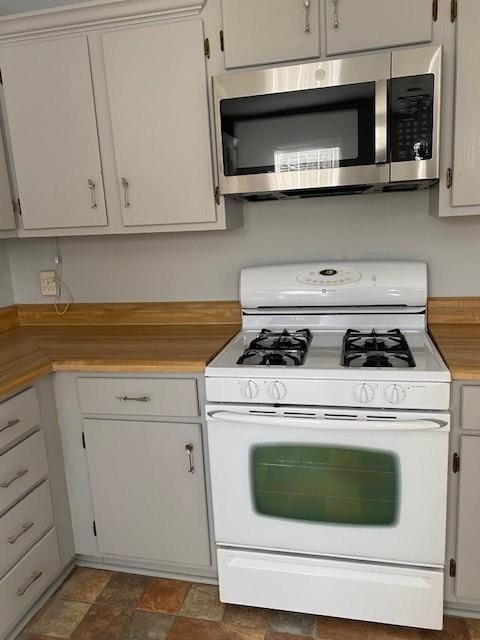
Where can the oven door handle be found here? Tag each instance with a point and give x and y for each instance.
(381, 121)
(327, 424)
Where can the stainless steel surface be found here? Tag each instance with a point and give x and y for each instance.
(307, 4)
(17, 476)
(26, 527)
(411, 62)
(381, 119)
(10, 423)
(126, 197)
(336, 22)
(134, 398)
(93, 194)
(189, 450)
(33, 578)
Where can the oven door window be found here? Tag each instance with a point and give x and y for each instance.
(299, 130)
(326, 484)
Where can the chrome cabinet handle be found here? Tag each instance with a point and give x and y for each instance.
(10, 423)
(126, 197)
(189, 450)
(26, 527)
(307, 4)
(134, 399)
(336, 22)
(17, 476)
(33, 578)
(93, 194)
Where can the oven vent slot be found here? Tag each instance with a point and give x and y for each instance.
(381, 418)
(340, 416)
(299, 414)
(261, 413)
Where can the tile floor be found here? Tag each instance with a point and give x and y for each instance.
(101, 605)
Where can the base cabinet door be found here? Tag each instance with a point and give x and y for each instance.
(160, 123)
(269, 31)
(148, 490)
(372, 24)
(467, 582)
(53, 131)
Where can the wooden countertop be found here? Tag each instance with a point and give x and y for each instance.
(29, 352)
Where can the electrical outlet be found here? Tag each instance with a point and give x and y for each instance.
(48, 283)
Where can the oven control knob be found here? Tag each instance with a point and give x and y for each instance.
(249, 389)
(277, 390)
(395, 394)
(364, 393)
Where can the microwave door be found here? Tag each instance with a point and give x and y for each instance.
(320, 125)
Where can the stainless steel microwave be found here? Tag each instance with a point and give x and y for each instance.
(350, 125)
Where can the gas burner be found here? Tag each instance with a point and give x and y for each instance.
(389, 349)
(284, 348)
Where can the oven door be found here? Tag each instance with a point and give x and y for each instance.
(309, 126)
(368, 489)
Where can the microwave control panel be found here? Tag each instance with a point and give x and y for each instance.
(411, 118)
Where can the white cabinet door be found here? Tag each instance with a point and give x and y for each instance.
(51, 116)
(466, 147)
(157, 91)
(7, 216)
(467, 582)
(148, 490)
(265, 31)
(357, 25)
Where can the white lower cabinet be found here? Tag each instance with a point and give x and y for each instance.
(28, 580)
(148, 490)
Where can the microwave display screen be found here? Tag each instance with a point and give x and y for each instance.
(299, 131)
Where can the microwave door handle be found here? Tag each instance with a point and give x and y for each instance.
(327, 424)
(381, 113)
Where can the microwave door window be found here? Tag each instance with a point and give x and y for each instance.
(299, 131)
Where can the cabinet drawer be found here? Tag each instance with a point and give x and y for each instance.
(21, 468)
(18, 415)
(28, 580)
(26, 522)
(470, 407)
(139, 396)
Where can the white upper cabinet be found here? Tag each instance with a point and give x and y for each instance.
(158, 101)
(51, 117)
(466, 146)
(7, 215)
(266, 31)
(358, 25)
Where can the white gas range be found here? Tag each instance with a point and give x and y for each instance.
(328, 441)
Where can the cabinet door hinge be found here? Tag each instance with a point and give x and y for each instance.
(435, 10)
(456, 463)
(206, 47)
(1, 77)
(94, 525)
(19, 207)
(452, 571)
(222, 41)
(217, 195)
(84, 445)
(453, 10)
(449, 177)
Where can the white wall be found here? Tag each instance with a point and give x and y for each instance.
(6, 290)
(205, 266)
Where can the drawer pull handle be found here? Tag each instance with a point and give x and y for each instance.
(126, 197)
(336, 21)
(93, 194)
(189, 450)
(17, 476)
(134, 398)
(10, 423)
(33, 578)
(26, 527)
(307, 4)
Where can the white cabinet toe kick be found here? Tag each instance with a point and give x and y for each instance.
(409, 596)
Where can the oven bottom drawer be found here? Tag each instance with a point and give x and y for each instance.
(358, 590)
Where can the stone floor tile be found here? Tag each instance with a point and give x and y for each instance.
(59, 619)
(163, 596)
(252, 617)
(104, 621)
(392, 632)
(453, 629)
(341, 629)
(474, 628)
(300, 624)
(202, 602)
(274, 635)
(124, 590)
(84, 585)
(144, 625)
(237, 632)
(192, 629)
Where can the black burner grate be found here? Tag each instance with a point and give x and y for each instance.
(284, 348)
(387, 349)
